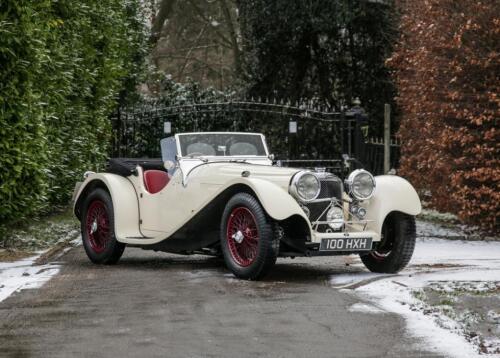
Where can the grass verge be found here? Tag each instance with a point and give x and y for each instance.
(40, 234)
(469, 308)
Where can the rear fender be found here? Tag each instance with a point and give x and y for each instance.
(123, 196)
(392, 193)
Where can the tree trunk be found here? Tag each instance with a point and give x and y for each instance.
(234, 38)
(164, 13)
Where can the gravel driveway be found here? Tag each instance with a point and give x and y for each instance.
(161, 305)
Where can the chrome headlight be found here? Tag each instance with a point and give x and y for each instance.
(360, 184)
(305, 186)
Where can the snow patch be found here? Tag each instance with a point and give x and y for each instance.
(20, 275)
(494, 316)
(365, 308)
(348, 279)
(466, 253)
(428, 229)
(464, 286)
(447, 265)
(398, 299)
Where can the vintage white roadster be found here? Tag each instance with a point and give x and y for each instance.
(220, 194)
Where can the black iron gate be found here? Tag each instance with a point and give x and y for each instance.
(300, 134)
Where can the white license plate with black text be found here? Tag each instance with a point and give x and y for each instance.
(346, 244)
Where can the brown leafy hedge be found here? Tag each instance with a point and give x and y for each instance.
(446, 67)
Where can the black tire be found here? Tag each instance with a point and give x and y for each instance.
(396, 248)
(263, 254)
(100, 243)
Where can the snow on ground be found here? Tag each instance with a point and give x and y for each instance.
(395, 298)
(350, 279)
(365, 308)
(429, 229)
(25, 274)
(19, 275)
(483, 254)
(449, 265)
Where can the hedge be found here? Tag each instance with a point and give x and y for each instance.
(446, 67)
(63, 66)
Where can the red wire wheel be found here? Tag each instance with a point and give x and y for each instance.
(385, 245)
(242, 236)
(97, 226)
(379, 256)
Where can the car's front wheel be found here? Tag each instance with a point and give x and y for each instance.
(248, 239)
(396, 247)
(97, 225)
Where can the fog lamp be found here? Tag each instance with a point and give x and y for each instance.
(335, 218)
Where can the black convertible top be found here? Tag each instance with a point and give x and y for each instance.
(126, 166)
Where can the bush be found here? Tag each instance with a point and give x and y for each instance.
(64, 65)
(446, 69)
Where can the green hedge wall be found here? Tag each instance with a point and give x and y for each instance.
(64, 65)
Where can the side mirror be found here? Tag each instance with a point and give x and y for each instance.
(271, 156)
(169, 165)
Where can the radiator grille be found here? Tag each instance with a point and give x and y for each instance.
(331, 187)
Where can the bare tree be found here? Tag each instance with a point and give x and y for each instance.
(164, 12)
(231, 25)
(197, 39)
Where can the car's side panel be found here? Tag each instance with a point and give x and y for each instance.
(392, 193)
(163, 213)
(124, 198)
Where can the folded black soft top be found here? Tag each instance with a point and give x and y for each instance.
(126, 166)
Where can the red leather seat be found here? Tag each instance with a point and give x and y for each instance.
(155, 180)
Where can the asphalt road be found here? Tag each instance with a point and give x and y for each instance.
(161, 305)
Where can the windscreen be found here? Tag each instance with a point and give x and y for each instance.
(221, 144)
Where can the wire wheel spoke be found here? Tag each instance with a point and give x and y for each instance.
(242, 236)
(97, 226)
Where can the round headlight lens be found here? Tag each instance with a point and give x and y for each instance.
(306, 186)
(335, 218)
(361, 184)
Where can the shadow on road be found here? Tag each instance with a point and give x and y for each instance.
(301, 271)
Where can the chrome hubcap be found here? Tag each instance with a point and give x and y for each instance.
(238, 237)
(93, 228)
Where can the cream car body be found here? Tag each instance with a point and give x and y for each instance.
(185, 215)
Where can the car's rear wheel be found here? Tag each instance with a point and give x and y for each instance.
(396, 247)
(248, 239)
(97, 227)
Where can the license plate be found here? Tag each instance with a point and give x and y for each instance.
(346, 244)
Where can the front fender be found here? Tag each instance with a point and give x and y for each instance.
(278, 203)
(123, 196)
(392, 193)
